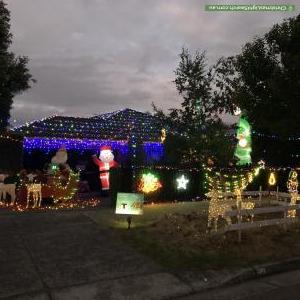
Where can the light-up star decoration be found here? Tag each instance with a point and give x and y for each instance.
(149, 183)
(182, 182)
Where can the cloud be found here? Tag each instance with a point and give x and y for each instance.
(98, 55)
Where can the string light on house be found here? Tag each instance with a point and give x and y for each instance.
(10, 138)
(69, 205)
(113, 126)
(231, 179)
(119, 130)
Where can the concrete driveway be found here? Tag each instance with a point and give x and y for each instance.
(65, 255)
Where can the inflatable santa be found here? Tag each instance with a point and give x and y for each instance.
(105, 162)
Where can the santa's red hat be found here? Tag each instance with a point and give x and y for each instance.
(105, 148)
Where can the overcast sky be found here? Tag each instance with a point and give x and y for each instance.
(94, 56)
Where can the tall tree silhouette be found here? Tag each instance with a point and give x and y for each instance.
(14, 73)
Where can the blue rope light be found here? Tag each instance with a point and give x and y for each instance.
(154, 151)
(81, 145)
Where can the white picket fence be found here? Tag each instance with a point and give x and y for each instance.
(280, 198)
(279, 195)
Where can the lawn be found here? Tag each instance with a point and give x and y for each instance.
(175, 236)
(152, 212)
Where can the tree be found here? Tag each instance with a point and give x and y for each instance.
(14, 74)
(197, 133)
(264, 80)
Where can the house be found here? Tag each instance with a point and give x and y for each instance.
(130, 134)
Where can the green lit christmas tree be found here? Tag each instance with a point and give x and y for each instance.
(243, 148)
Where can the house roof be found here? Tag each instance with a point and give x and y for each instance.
(117, 125)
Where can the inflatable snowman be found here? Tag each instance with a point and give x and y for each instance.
(59, 159)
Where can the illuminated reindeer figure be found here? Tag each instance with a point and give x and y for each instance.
(36, 190)
(218, 206)
(219, 203)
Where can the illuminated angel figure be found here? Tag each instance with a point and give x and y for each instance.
(149, 183)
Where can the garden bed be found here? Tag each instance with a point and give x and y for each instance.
(175, 235)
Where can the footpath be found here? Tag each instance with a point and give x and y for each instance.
(66, 255)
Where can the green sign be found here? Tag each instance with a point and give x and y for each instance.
(129, 204)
